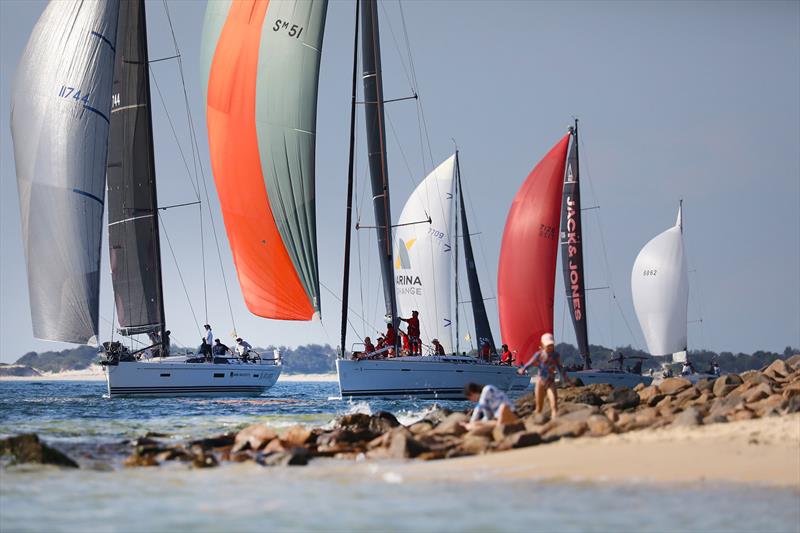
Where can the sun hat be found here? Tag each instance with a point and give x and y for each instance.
(547, 339)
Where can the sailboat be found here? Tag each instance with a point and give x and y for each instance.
(660, 289)
(530, 246)
(97, 122)
(417, 277)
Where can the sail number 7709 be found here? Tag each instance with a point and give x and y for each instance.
(292, 29)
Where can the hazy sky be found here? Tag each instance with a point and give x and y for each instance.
(699, 101)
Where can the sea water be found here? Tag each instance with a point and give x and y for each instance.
(327, 495)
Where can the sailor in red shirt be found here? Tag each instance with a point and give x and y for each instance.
(413, 332)
(390, 338)
(508, 357)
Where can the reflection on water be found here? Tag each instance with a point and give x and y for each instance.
(328, 495)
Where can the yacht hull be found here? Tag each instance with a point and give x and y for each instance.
(429, 377)
(158, 378)
(617, 378)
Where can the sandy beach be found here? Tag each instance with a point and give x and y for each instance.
(764, 451)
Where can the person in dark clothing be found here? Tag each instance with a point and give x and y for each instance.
(438, 349)
(486, 351)
(165, 343)
(220, 349)
(205, 349)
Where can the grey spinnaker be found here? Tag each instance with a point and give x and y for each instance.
(572, 249)
(483, 330)
(376, 143)
(132, 200)
(286, 123)
(60, 107)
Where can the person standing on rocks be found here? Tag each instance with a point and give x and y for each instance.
(492, 404)
(549, 362)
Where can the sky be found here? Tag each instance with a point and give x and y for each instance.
(677, 100)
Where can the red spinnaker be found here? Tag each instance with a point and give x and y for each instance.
(526, 275)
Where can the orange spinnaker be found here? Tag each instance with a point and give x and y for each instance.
(270, 284)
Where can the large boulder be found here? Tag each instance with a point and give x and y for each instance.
(292, 457)
(253, 437)
(623, 398)
(521, 439)
(402, 444)
(758, 393)
(650, 396)
(794, 361)
(580, 415)
(778, 369)
(368, 426)
(727, 405)
(599, 425)
(452, 425)
(501, 431)
(218, 441)
(588, 397)
(27, 448)
(565, 429)
(687, 418)
(473, 446)
(725, 384)
(672, 386)
(756, 377)
(418, 428)
(296, 436)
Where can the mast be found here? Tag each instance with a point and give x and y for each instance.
(135, 250)
(572, 249)
(483, 331)
(349, 211)
(455, 268)
(376, 142)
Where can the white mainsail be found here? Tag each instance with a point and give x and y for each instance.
(660, 287)
(423, 273)
(60, 107)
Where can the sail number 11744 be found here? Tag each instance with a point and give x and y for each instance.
(292, 29)
(75, 94)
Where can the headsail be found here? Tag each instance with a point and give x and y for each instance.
(132, 202)
(527, 269)
(483, 330)
(376, 144)
(660, 287)
(572, 249)
(260, 74)
(423, 274)
(59, 124)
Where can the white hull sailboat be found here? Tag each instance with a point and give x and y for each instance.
(415, 267)
(423, 376)
(180, 376)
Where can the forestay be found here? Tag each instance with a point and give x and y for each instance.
(60, 107)
(423, 258)
(660, 287)
(260, 68)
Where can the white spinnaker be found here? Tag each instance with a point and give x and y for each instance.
(423, 256)
(660, 287)
(60, 107)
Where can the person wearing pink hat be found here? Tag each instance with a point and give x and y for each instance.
(549, 362)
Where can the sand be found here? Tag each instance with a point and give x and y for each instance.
(764, 451)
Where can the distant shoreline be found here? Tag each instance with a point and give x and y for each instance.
(95, 373)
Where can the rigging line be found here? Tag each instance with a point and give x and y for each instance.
(388, 22)
(402, 152)
(603, 243)
(196, 150)
(174, 134)
(178, 268)
(348, 308)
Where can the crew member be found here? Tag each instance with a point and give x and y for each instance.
(508, 357)
(413, 332)
(209, 335)
(438, 349)
(486, 351)
(220, 349)
(242, 347)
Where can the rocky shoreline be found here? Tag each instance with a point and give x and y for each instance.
(584, 412)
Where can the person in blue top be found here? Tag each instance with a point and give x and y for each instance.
(549, 362)
(492, 404)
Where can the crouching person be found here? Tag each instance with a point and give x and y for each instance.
(492, 405)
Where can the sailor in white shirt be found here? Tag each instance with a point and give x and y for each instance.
(242, 346)
(209, 335)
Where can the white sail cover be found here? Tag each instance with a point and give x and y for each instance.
(60, 107)
(660, 287)
(423, 255)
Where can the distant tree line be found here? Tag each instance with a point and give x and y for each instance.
(318, 358)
